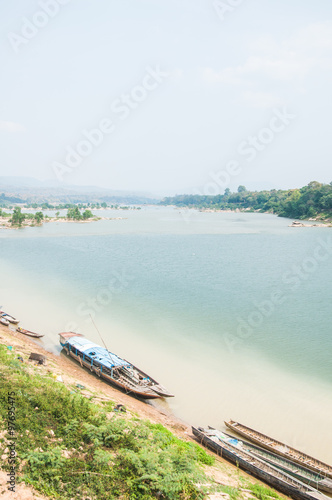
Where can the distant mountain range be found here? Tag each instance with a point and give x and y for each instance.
(30, 190)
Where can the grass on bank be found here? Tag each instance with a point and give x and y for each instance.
(68, 447)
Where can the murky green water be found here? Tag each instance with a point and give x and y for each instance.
(232, 312)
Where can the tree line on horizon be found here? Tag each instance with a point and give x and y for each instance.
(313, 200)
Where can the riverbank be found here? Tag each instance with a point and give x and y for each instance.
(317, 222)
(5, 224)
(221, 474)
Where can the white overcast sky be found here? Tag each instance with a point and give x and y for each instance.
(231, 70)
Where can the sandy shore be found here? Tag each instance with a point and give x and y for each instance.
(71, 373)
(5, 224)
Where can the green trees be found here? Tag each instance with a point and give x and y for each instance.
(17, 217)
(313, 200)
(75, 214)
(87, 214)
(39, 216)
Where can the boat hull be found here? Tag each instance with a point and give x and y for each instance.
(292, 490)
(298, 471)
(126, 377)
(9, 318)
(111, 380)
(30, 334)
(290, 453)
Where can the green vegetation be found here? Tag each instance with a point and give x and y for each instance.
(75, 214)
(262, 492)
(4, 214)
(39, 216)
(311, 201)
(67, 447)
(87, 214)
(66, 206)
(5, 200)
(17, 217)
(234, 493)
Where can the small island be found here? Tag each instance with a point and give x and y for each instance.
(75, 213)
(19, 219)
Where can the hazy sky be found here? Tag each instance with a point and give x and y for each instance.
(167, 96)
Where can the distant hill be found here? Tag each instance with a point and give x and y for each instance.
(30, 190)
(9, 199)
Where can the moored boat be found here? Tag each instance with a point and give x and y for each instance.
(259, 468)
(281, 449)
(111, 367)
(30, 334)
(9, 318)
(4, 321)
(301, 473)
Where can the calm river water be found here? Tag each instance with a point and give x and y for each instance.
(230, 311)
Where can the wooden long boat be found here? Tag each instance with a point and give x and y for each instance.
(111, 368)
(301, 473)
(4, 321)
(30, 334)
(281, 449)
(250, 463)
(9, 318)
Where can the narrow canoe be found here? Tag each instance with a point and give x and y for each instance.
(281, 449)
(247, 461)
(4, 321)
(27, 332)
(301, 473)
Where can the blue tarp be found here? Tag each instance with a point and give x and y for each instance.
(96, 352)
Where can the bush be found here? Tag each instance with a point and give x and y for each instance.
(68, 446)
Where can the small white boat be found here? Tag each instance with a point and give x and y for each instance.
(9, 318)
(4, 321)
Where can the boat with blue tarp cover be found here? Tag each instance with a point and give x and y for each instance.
(111, 367)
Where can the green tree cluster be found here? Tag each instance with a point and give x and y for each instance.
(75, 214)
(39, 216)
(313, 200)
(17, 217)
